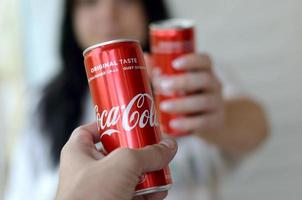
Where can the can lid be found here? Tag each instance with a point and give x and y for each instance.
(107, 43)
(173, 23)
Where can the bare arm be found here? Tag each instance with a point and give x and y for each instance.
(245, 127)
(236, 125)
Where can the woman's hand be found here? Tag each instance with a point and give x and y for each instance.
(86, 174)
(203, 102)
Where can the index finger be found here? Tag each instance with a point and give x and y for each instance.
(87, 134)
(82, 144)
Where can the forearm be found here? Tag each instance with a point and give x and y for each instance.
(245, 127)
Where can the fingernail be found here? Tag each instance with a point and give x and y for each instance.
(178, 63)
(175, 124)
(168, 143)
(166, 84)
(165, 106)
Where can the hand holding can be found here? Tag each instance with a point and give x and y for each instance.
(188, 92)
(114, 176)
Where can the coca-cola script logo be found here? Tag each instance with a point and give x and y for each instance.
(129, 115)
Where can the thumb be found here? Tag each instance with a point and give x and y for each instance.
(147, 159)
(156, 157)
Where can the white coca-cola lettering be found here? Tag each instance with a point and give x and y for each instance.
(112, 117)
(103, 66)
(113, 63)
(131, 116)
(173, 46)
(128, 61)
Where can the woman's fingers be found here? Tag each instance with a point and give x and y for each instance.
(187, 82)
(147, 159)
(193, 62)
(191, 104)
(199, 123)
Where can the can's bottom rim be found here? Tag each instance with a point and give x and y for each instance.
(152, 190)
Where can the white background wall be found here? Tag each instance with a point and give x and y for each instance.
(261, 40)
(41, 21)
(10, 79)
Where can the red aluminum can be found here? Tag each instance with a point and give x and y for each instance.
(170, 39)
(123, 102)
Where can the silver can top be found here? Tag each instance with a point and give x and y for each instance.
(172, 24)
(108, 42)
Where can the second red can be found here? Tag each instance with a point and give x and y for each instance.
(170, 39)
(124, 106)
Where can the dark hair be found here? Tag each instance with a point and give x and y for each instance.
(61, 105)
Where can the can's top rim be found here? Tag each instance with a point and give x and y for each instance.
(174, 23)
(108, 42)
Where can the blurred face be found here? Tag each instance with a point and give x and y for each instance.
(101, 20)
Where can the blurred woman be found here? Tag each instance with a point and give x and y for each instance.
(229, 125)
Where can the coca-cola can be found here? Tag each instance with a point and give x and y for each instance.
(123, 103)
(169, 40)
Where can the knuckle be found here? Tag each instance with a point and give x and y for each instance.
(125, 152)
(187, 125)
(203, 123)
(207, 55)
(78, 129)
(220, 119)
(64, 151)
(192, 80)
(204, 58)
(75, 134)
(180, 82)
(206, 80)
(177, 105)
(190, 102)
(207, 100)
(207, 58)
(160, 153)
(129, 155)
(219, 85)
(186, 80)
